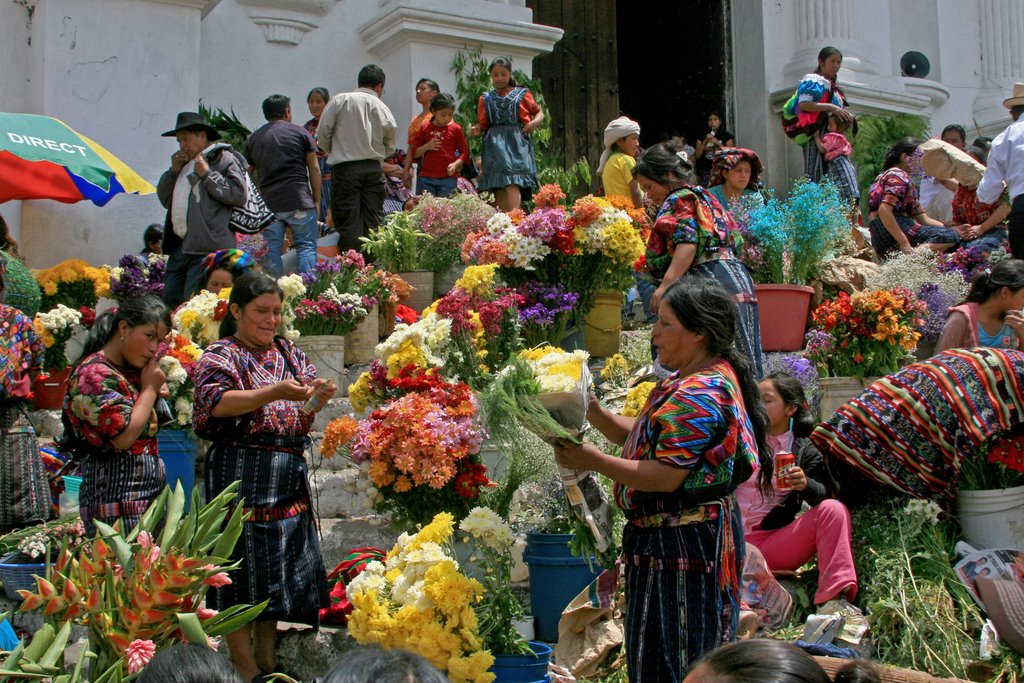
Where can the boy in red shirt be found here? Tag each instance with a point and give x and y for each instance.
(441, 147)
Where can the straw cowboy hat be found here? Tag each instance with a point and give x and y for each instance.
(1017, 98)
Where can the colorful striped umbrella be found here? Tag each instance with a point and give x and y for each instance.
(42, 158)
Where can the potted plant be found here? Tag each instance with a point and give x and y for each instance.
(397, 247)
(990, 494)
(862, 336)
(788, 240)
(55, 327)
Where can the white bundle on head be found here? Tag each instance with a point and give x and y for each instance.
(613, 132)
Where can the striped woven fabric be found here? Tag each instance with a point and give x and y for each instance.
(912, 429)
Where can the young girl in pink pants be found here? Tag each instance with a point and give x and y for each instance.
(771, 523)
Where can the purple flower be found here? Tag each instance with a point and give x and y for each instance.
(137, 278)
(938, 303)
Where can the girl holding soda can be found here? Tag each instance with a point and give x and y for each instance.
(772, 523)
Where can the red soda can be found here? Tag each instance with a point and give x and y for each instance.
(784, 461)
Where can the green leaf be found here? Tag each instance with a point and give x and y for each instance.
(174, 512)
(235, 620)
(232, 530)
(121, 547)
(192, 627)
(151, 518)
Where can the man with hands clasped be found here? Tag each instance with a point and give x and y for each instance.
(205, 182)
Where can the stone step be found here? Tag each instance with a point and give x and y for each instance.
(332, 498)
(339, 537)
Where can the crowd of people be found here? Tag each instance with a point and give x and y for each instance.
(696, 477)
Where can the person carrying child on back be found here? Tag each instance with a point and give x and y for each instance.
(441, 147)
(835, 146)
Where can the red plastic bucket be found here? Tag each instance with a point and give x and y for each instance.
(783, 311)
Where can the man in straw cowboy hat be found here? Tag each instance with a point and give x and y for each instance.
(1006, 166)
(203, 184)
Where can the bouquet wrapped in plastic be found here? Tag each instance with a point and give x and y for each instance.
(547, 391)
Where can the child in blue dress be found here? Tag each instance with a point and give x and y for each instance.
(506, 116)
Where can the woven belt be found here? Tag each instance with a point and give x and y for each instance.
(701, 513)
(278, 513)
(126, 508)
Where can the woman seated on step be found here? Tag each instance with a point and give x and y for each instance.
(771, 522)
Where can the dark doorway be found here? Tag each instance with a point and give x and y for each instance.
(674, 65)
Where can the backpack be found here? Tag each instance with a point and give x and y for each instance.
(254, 216)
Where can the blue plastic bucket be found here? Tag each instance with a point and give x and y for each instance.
(178, 451)
(556, 577)
(523, 668)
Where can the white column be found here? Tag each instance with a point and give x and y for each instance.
(839, 23)
(1002, 64)
(1002, 28)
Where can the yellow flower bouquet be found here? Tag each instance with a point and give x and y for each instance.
(73, 283)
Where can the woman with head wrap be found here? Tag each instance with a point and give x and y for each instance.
(621, 146)
(735, 177)
(221, 268)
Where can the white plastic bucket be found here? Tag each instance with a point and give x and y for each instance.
(993, 518)
(327, 353)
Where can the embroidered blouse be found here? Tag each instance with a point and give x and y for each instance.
(690, 215)
(228, 365)
(895, 188)
(99, 403)
(698, 422)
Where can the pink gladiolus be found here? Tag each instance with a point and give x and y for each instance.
(139, 653)
(206, 613)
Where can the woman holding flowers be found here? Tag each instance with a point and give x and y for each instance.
(108, 411)
(693, 234)
(683, 543)
(24, 495)
(250, 389)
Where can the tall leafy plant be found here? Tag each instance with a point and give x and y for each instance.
(396, 245)
(876, 134)
(232, 130)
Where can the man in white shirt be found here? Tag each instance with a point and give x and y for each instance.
(357, 131)
(1006, 166)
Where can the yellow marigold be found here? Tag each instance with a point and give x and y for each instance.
(472, 667)
(50, 288)
(637, 398)
(616, 369)
(478, 280)
(359, 393)
(538, 353)
(337, 433)
(438, 531)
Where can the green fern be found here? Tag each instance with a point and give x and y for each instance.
(875, 136)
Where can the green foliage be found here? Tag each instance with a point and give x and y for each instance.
(876, 134)
(921, 615)
(396, 245)
(232, 130)
(574, 180)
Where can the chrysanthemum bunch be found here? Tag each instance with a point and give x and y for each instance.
(55, 328)
(198, 319)
(178, 357)
(556, 370)
(637, 398)
(418, 601)
(73, 283)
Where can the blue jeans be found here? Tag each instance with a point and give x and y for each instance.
(439, 187)
(181, 279)
(304, 232)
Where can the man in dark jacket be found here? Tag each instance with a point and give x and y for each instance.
(205, 182)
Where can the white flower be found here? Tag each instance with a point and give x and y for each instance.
(291, 285)
(498, 224)
(370, 580)
(175, 374)
(924, 510)
(184, 407)
(487, 527)
(116, 272)
(59, 318)
(525, 250)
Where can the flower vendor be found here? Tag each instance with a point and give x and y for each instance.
(991, 313)
(735, 176)
(108, 410)
(961, 399)
(683, 545)
(221, 268)
(250, 389)
(24, 496)
(771, 523)
(693, 234)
